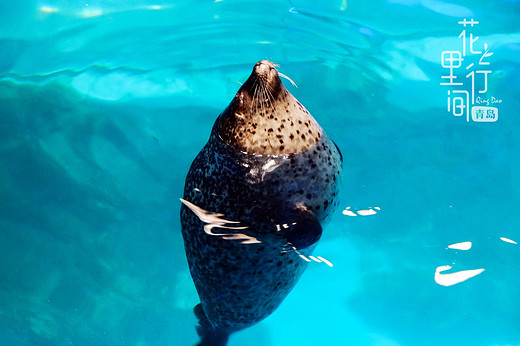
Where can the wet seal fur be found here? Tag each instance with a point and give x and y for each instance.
(254, 200)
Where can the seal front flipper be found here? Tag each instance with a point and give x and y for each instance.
(299, 226)
(209, 336)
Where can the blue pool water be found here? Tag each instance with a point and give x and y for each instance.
(104, 104)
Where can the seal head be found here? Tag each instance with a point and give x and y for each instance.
(264, 118)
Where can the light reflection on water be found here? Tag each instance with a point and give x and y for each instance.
(450, 279)
(215, 220)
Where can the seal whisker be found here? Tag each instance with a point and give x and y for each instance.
(253, 101)
(262, 93)
(289, 79)
(267, 98)
(269, 90)
(267, 101)
(267, 94)
(259, 95)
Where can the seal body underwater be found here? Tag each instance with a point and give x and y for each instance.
(253, 204)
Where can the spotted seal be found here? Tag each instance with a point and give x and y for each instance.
(253, 204)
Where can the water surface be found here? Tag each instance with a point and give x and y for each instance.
(104, 104)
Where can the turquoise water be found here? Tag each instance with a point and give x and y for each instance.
(104, 104)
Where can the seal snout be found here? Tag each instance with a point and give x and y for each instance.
(264, 67)
(265, 70)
